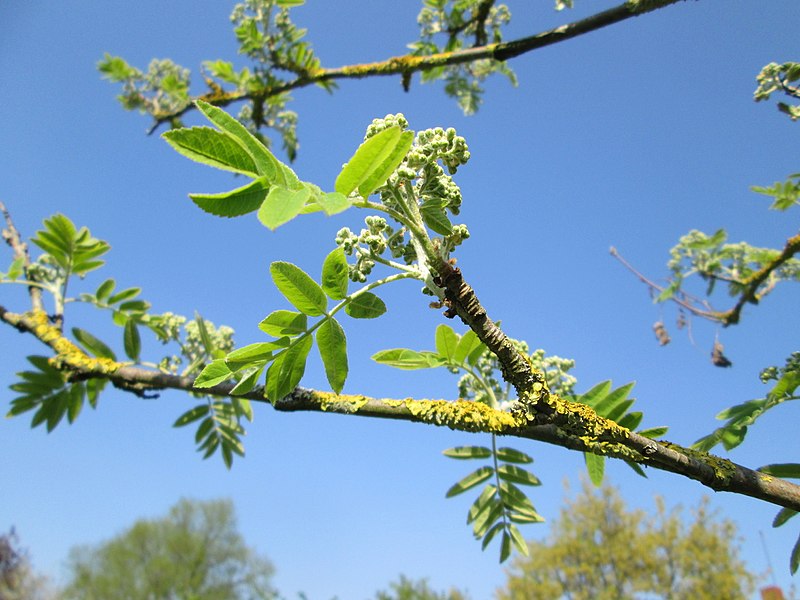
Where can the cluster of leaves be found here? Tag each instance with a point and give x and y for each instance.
(287, 354)
(52, 394)
(785, 193)
(161, 90)
(387, 163)
(267, 36)
(776, 77)
(714, 260)
(739, 417)
(452, 25)
(501, 504)
(614, 404)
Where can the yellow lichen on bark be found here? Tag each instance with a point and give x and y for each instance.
(463, 415)
(68, 355)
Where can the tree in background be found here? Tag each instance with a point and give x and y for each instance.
(17, 579)
(404, 179)
(599, 549)
(409, 589)
(195, 552)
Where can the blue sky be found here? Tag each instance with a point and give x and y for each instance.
(629, 136)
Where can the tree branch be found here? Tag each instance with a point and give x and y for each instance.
(570, 425)
(408, 64)
(750, 294)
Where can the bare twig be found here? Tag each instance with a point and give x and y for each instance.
(11, 236)
(683, 299)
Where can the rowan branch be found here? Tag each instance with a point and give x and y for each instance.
(408, 64)
(751, 285)
(750, 294)
(570, 425)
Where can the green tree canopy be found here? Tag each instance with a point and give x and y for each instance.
(599, 549)
(194, 552)
(409, 589)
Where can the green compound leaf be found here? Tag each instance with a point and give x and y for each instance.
(287, 370)
(284, 322)
(595, 466)
(468, 452)
(477, 477)
(374, 161)
(511, 455)
(335, 275)
(214, 373)
(234, 203)
(332, 346)
(92, 344)
(446, 342)
(132, 342)
(258, 354)
(265, 162)
(192, 415)
(213, 148)
(73, 250)
(297, 286)
(365, 306)
(516, 474)
(282, 205)
(404, 358)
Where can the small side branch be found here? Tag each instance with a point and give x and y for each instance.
(750, 294)
(20, 249)
(407, 64)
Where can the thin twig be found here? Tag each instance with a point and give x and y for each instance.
(11, 235)
(709, 314)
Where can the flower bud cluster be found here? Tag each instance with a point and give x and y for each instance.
(372, 242)
(193, 348)
(775, 373)
(386, 122)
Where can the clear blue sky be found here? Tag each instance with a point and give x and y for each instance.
(630, 136)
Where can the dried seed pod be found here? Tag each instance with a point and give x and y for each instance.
(718, 359)
(661, 333)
